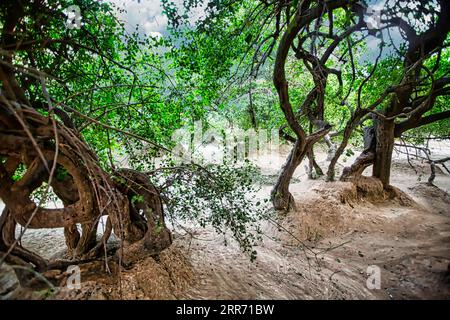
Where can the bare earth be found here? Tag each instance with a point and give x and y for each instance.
(408, 242)
(410, 245)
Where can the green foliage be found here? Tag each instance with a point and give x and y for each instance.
(100, 70)
(61, 173)
(46, 293)
(220, 66)
(349, 152)
(218, 53)
(218, 195)
(20, 171)
(137, 199)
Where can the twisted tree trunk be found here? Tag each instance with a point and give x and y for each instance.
(280, 195)
(365, 159)
(54, 153)
(313, 165)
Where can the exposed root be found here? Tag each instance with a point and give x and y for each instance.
(54, 155)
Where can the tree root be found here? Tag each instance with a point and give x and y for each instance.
(129, 200)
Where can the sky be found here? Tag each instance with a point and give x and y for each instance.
(148, 15)
(145, 13)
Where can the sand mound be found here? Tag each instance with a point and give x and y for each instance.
(434, 198)
(161, 277)
(339, 207)
(164, 276)
(329, 213)
(371, 189)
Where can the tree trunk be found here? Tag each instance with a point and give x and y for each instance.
(364, 160)
(337, 153)
(251, 109)
(331, 147)
(131, 202)
(383, 150)
(280, 195)
(313, 166)
(346, 137)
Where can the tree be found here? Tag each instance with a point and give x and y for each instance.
(413, 93)
(72, 101)
(323, 36)
(41, 145)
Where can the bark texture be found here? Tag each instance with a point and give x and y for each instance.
(50, 152)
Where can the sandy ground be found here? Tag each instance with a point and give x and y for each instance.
(409, 245)
(320, 251)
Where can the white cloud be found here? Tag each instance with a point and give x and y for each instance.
(147, 14)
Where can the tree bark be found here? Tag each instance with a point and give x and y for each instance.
(281, 197)
(338, 152)
(86, 190)
(313, 165)
(383, 151)
(331, 147)
(364, 160)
